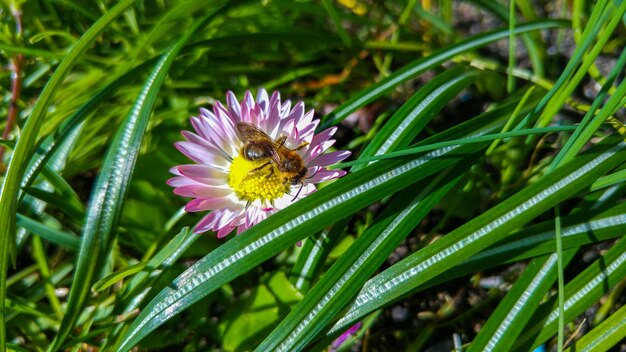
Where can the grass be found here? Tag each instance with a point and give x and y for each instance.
(475, 157)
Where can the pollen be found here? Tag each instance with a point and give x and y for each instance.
(251, 180)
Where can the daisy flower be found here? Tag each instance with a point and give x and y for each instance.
(252, 159)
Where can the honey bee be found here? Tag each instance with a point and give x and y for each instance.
(259, 146)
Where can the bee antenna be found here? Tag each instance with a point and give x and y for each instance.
(316, 171)
(297, 194)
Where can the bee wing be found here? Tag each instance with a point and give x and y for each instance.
(270, 149)
(251, 134)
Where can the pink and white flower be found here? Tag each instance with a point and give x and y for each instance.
(237, 192)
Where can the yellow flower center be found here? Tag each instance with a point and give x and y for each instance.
(250, 181)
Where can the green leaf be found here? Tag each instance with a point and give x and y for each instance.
(164, 259)
(486, 229)
(117, 276)
(334, 291)
(24, 148)
(312, 255)
(326, 206)
(537, 240)
(251, 319)
(61, 238)
(420, 66)
(580, 293)
(414, 115)
(517, 307)
(111, 186)
(399, 131)
(69, 207)
(604, 336)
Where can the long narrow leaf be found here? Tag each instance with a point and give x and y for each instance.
(351, 271)
(111, 186)
(580, 293)
(24, 147)
(604, 336)
(290, 225)
(481, 232)
(421, 65)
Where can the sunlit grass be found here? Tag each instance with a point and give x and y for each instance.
(474, 157)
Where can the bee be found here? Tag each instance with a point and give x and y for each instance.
(259, 146)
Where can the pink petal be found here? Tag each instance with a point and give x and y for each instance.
(297, 112)
(227, 217)
(208, 222)
(248, 99)
(194, 138)
(203, 155)
(289, 130)
(202, 204)
(329, 158)
(284, 109)
(325, 175)
(263, 100)
(186, 191)
(213, 191)
(203, 173)
(224, 231)
(201, 126)
(181, 181)
(323, 136)
(233, 106)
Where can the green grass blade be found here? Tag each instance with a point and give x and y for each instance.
(328, 205)
(510, 79)
(311, 258)
(107, 198)
(421, 65)
(164, 259)
(565, 91)
(61, 238)
(532, 41)
(609, 180)
(111, 186)
(368, 252)
(481, 232)
(591, 121)
(580, 293)
(456, 142)
(538, 240)
(402, 128)
(509, 318)
(24, 147)
(117, 276)
(604, 336)
(68, 127)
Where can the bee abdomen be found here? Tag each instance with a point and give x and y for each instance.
(252, 153)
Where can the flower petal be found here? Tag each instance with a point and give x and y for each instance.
(204, 174)
(325, 175)
(215, 143)
(203, 155)
(203, 204)
(233, 106)
(329, 158)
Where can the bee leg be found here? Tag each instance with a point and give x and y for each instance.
(281, 140)
(270, 174)
(302, 145)
(260, 168)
